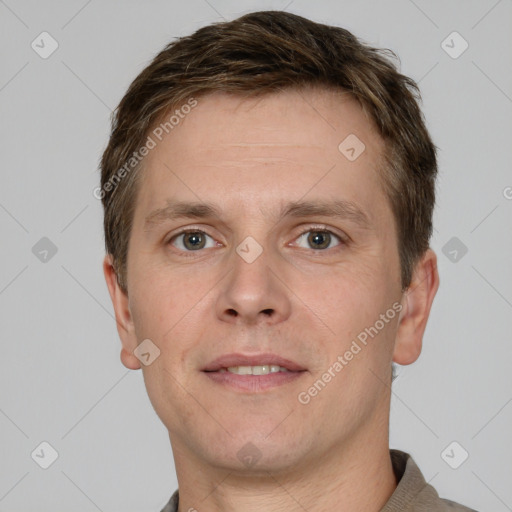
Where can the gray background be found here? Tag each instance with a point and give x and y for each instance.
(61, 379)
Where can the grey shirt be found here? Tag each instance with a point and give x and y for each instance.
(412, 494)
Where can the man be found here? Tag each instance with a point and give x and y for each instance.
(268, 191)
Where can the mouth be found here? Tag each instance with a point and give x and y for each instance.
(263, 369)
(255, 364)
(253, 373)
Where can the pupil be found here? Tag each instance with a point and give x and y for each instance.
(316, 238)
(194, 241)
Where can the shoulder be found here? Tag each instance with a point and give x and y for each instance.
(413, 493)
(451, 506)
(172, 504)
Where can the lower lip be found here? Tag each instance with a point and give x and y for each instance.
(253, 383)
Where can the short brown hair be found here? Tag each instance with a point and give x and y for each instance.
(260, 53)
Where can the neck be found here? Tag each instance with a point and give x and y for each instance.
(356, 477)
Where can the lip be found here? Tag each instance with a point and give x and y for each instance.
(252, 383)
(227, 360)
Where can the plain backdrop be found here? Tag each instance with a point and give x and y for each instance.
(61, 380)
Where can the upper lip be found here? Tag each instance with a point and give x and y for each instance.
(228, 360)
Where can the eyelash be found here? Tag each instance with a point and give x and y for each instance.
(316, 229)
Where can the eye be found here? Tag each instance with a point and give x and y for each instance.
(319, 239)
(191, 240)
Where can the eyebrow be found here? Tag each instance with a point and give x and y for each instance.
(339, 209)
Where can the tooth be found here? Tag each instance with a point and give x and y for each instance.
(256, 370)
(260, 370)
(241, 370)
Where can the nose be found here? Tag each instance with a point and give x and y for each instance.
(253, 292)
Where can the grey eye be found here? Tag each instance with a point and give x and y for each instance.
(318, 239)
(191, 241)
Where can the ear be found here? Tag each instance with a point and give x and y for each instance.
(416, 301)
(124, 320)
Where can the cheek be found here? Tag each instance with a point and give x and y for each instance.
(171, 309)
(159, 296)
(349, 302)
(355, 289)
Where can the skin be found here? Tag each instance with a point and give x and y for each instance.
(250, 157)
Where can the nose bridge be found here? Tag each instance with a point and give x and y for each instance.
(252, 290)
(250, 279)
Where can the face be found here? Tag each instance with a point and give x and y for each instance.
(272, 269)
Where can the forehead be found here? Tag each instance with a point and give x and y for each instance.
(300, 119)
(282, 145)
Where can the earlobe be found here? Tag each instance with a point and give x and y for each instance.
(123, 316)
(417, 301)
(129, 360)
